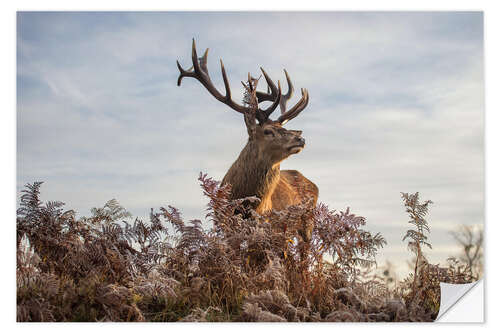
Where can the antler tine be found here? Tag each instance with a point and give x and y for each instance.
(267, 112)
(203, 61)
(226, 81)
(194, 58)
(183, 73)
(269, 96)
(284, 98)
(294, 112)
(200, 72)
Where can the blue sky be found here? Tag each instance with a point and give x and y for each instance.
(396, 105)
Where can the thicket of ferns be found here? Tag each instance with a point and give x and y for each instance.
(102, 268)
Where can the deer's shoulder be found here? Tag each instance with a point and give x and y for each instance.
(303, 186)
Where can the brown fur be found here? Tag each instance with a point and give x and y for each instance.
(257, 172)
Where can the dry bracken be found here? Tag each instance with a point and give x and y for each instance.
(240, 266)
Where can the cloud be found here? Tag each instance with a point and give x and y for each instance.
(397, 103)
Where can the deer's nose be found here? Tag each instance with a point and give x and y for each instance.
(301, 140)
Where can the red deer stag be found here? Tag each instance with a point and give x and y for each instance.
(257, 172)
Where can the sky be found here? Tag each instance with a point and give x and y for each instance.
(396, 105)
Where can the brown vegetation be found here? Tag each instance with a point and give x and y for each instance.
(242, 268)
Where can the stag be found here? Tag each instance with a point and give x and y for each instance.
(256, 171)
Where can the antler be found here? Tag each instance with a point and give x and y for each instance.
(297, 108)
(273, 93)
(270, 96)
(199, 71)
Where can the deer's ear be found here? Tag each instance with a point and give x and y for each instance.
(251, 124)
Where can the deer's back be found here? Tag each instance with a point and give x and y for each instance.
(293, 188)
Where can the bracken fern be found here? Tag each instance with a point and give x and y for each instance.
(242, 267)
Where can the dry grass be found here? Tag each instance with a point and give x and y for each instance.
(257, 268)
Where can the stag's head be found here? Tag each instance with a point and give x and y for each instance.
(272, 140)
(275, 142)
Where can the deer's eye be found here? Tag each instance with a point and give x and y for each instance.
(268, 132)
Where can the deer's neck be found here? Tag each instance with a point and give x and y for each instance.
(252, 174)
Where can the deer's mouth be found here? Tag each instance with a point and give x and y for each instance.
(295, 148)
